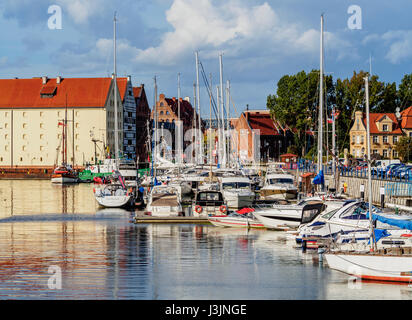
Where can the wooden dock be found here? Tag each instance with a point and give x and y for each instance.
(150, 219)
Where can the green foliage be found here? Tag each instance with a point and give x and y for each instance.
(404, 148)
(296, 100)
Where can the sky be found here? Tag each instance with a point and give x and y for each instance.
(260, 41)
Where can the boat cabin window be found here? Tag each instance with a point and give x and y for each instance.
(355, 213)
(209, 196)
(235, 185)
(330, 214)
(280, 180)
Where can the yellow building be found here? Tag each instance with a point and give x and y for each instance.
(33, 113)
(385, 132)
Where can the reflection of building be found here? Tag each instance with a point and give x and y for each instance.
(257, 133)
(31, 110)
(385, 132)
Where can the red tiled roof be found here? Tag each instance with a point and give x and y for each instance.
(137, 91)
(81, 92)
(406, 115)
(375, 117)
(262, 121)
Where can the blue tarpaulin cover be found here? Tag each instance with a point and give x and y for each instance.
(401, 223)
(319, 179)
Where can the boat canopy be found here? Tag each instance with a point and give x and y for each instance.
(401, 223)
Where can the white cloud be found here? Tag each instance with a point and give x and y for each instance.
(80, 10)
(235, 26)
(397, 44)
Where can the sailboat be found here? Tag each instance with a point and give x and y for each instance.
(392, 264)
(64, 173)
(115, 194)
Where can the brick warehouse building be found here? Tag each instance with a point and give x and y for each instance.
(30, 110)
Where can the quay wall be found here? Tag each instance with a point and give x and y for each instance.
(399, 193)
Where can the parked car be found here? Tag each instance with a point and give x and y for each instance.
(405, 173)
(393, 168)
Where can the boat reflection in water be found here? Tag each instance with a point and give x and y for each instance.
(102, 255)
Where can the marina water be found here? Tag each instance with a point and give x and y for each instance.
(102, 254)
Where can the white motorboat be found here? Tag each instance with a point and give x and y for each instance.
(348, 223)
(392, 264)
(112, 196)
(289, 216)
(237, 191)
(208, 203)
(237, 219)
(279, 186)
(164, 201)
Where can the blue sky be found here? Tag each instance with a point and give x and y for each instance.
(260, 40)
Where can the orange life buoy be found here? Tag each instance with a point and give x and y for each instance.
(223, 208)
(198, 209)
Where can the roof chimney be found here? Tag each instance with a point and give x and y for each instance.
(44, 79)
(58, 79)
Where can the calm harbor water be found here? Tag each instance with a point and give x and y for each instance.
(103, 255)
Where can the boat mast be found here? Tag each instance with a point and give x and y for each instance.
(155, 128)
(222, 107)
(219, 139)
(228, 121)
(116, 129)
(371, 229)
(200, 144)
(65, 134)
(194, 125)
(179, 138)
(320, 126)
(210, 124)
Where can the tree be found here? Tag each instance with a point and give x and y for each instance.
(404, 148)
(405, 92)
(295, 103)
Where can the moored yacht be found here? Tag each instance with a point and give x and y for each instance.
(237, 191)
(279, 186)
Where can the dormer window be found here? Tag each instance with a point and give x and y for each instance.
(385, 127)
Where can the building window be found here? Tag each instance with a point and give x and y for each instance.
(41, 148)
(6, 125)
(395, 139)
(24, 136)
(41, 125)
(6, 148)
(21, 159)
(375, 139)
(357, 124)
(357, 139)
(385, 127)
(41, 159)
(24, 114)
(24, 125)
(41, 114)
(374, 151)
(6, 136)
(23, 148)
(361, 139)
(385, 139)
(385, 153)
(395, 154)
(41, 136)
(77, 125)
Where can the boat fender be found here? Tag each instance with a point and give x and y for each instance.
(222, 208)
(198, 209)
